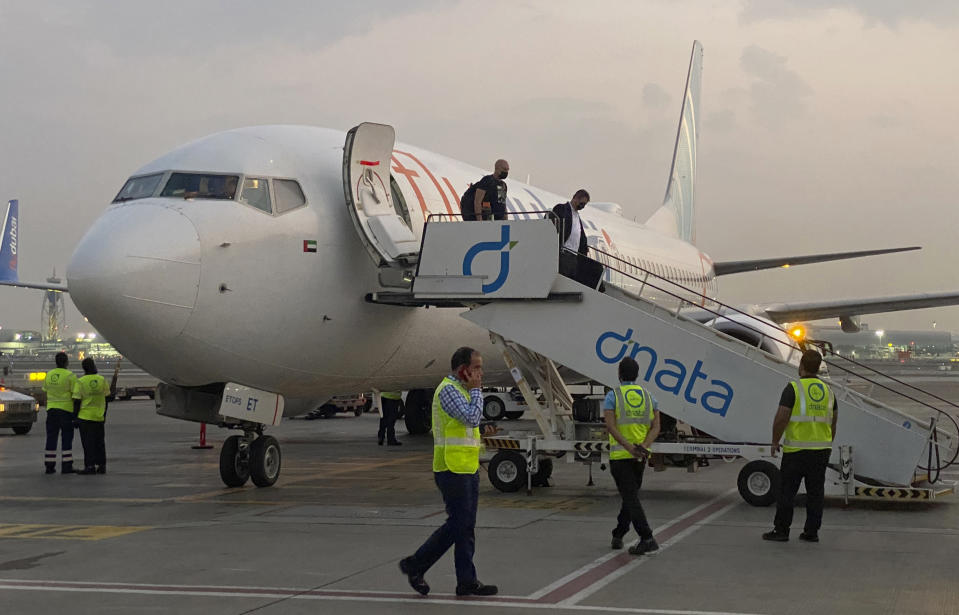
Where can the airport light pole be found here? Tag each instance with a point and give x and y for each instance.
(879, 334)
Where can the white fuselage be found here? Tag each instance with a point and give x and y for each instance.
(199, 291)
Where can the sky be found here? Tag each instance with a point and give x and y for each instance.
(825, 125)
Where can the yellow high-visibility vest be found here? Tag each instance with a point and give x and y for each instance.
(810, 425)
(91, 390)
(634, 416)
(58, 385)
(456, 447)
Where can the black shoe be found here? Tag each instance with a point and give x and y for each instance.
(616, 543)
(776, 536)
(67, 469)
(380, 441)
(476, 589)
(417, 582)
(101, 469)
(86, 471)
(809, 537)
(51, 468)
(646, 545)
(394, 443)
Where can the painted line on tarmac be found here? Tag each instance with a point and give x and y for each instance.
(597, 574)
(501, 603)
(67, 532)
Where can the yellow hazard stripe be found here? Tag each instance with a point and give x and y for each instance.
(501, 443)
(67, 532)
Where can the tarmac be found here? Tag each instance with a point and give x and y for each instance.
(160, 533)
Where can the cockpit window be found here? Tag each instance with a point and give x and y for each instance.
(288, 194)
(139, 187)
(256, 192)
(201, 186)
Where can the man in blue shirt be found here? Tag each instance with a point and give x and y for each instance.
(457, 411)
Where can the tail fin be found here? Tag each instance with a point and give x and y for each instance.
(676, 217)
(8, 243)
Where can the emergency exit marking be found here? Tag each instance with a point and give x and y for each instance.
(67, 532)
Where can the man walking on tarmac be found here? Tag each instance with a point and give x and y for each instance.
(58, 385)
(457, 410)
(807, 417)
(632, 420)
(90, 397)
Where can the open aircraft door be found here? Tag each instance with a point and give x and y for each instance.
(366, 183)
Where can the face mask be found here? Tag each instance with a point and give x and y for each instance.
(503, 174)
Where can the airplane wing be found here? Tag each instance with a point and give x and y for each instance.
(815, 310)
(728, 267)
(59, 287)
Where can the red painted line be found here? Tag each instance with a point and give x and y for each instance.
(578, 584)
(370, 163)
(456, 197)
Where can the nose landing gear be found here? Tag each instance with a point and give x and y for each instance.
(252, 455)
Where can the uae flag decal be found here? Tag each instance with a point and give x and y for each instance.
(309, 245)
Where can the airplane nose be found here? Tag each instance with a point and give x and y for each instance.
(136, 272)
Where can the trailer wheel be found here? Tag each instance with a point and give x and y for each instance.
(507, 471)
(265, 461)
(234, 468)
(514, 415)
(493, 408)
(541, 477)
(759, 483)
(22, 430)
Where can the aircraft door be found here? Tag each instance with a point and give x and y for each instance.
(379, 220)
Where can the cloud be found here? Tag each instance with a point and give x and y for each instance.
(655, 96)
(890, 13)
(777, 94)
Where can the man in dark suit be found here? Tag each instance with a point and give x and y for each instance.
(573, 261)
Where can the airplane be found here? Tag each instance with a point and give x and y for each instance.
(245, 259)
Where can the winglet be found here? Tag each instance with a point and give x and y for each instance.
(8, 243)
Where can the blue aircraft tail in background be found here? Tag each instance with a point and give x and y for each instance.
(8, 247)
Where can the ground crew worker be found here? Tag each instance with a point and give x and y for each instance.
(390, 403)
(632, 419)
(58, 385)
(807, 417)
(457, 410)
(90, 397)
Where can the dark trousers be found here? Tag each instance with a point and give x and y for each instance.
(94, 446)
(581, 268)
(809, 466)
(628, 474)
(59, 430)
(391, 410)
(461, 495)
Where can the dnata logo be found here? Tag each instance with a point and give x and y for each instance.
(816, 392)
(635, 399)
(503, 246)
(671, 376)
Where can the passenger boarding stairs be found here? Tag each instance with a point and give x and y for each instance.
(507, 274)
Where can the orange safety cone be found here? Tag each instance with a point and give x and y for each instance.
(202, 443)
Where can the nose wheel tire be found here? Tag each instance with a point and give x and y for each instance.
(265, 461)
(759, 483)
(234, 464)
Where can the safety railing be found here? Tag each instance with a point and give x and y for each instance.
(686, 296)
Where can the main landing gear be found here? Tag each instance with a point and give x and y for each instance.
(250, 456)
